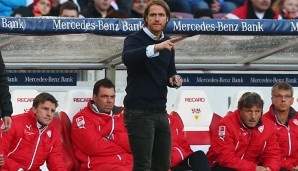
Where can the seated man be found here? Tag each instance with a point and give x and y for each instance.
(98, 133)
(286, 119)
(244, 141)
(33, 139)
(182, 157)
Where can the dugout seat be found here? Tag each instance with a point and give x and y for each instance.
(295, 102)
(238, 94)
(193, 107)
(75, 100)
(22, 100)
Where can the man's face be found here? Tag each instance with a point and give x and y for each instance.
(102, 5)
(69, 13)
(156, 19)
(105, 99)
(45, 112)
(139, 6)
(44, 6)
(282, 100)
(251, 116)
(261, 5)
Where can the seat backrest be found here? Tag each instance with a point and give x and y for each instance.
(194, 109)
(68, 149)
(295, 102)
(22, 100)
(234, 101)
(75, 100)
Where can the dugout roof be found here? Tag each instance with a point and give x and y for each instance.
(52, 43)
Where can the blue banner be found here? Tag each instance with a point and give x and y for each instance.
(251, 80)
(42, 79)
(114, 27)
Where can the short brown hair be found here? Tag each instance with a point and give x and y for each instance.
(43, 97)
(161, 3)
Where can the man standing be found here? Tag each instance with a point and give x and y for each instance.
(286, 120)
(98, 133)
(5, 103)
(33, 139)
(244, 141)
(149, 57)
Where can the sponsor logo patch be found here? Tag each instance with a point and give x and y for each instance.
(80, 122)
(222, 131)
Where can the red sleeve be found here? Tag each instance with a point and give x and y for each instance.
(224, 151)
(271, 157)
(86, 136)
(55, 159)
(7, 138)
(183, 143)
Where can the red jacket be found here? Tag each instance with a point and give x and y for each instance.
(245, 12)
(27, 147)
(180, 146)
(237, 147)
(287, 137)
(100, 140)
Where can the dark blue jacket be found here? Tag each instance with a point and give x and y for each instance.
(147, 78)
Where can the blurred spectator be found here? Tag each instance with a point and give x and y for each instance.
(288, 9)
(125, 5)
(8, 6)
(203, 14)
(179, 6)
(138, 8)
(36, 9)
(216, 6)
(190, 6)
(69, 9)
(254, 9)
(117, 14)
(97, 8)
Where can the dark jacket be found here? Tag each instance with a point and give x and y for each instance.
(24, 11)
(147, 78)
(5, 102)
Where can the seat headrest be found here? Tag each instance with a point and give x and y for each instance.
(22, 100)
(76, 100)
(194, 108)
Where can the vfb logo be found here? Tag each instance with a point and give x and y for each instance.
(196, 112)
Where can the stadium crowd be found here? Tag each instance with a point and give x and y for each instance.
(219, 9)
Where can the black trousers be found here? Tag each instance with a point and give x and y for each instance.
(197, 161)
(149, 138)
(218, 168)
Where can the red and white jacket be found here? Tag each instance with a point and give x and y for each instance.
(235, 146)
(27, 147)
(180, 147)
(287, 137)
(100, 140)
